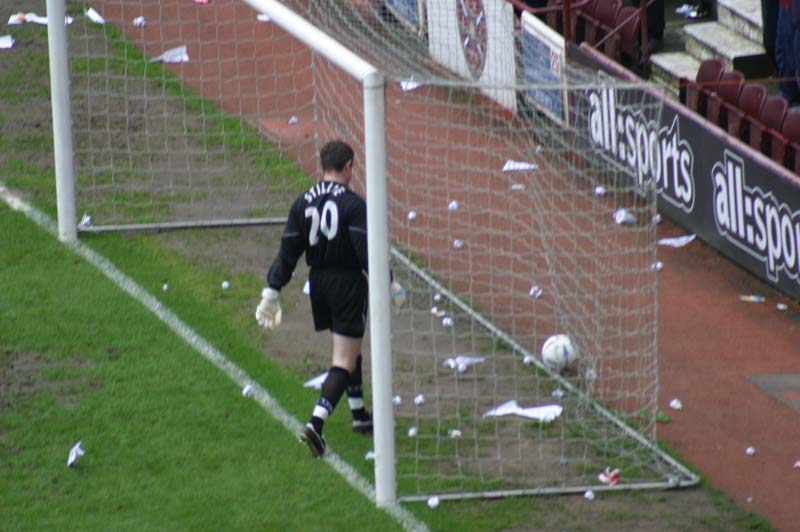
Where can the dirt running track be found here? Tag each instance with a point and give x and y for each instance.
(712, 347)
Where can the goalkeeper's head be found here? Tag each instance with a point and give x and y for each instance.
(336, 158)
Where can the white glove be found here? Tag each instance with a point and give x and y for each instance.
(398, 294)
(268, 312)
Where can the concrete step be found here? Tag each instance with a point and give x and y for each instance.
(743, 17)
(712, 39)
(667, 68)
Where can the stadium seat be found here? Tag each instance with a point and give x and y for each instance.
(603, 20)
(629, 22)
(583, 18)
(763, 129)
(751, 101)
(693, 94)
(786, 147)
(725, 96)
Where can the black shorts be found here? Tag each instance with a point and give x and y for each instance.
(339, 301)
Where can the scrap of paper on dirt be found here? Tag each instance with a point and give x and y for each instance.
(316, 382)
(677, 241)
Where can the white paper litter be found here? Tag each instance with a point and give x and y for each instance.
(437, 297)
(165, 287)
(16, 19)
(781, 306)
(370, 455)
(75, 453)
(94, 16)
(599, 190)
(535, 292)
(409, 85)
(528, 360)
(412, 215)
(452, 206)
(397, 400)
(86, 221)
(263, 17)
(412, 432)
(307, 288)
(544, 413)
(517, 187)
(624, 217)
(139, 22)
(463, 362)
(519, 166)
(558, 393)
(6, 42)
(676, 242)
(247, 391)
(657, 266)
(588, 495)
(316, 382)
(447, 321)
(656, 219)
(458, 244)
(293, 120)
(173, 55)
(433, 502)
(419, 400)
(676, 404)
(454, 433)
(750, 451)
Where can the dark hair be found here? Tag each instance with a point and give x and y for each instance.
(335, 155)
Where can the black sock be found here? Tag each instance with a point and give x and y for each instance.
(355, 393)
(332, 389)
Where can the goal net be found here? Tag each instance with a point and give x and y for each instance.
(516, 210)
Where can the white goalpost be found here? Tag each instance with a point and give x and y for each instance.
(503, 185)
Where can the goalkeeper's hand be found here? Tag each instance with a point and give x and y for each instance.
(268, 312)
(398, 294)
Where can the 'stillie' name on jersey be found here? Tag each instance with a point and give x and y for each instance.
(321, 188)
(650, 153)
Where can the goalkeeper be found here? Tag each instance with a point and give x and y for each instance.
(328, 223)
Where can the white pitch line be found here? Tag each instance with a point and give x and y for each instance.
(211, 353)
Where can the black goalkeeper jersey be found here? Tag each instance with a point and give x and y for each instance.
(329, 224)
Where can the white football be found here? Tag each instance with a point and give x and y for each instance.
(559, 353)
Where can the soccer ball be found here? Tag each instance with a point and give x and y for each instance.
(559, 353)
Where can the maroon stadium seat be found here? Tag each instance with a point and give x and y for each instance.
(629, 22)
(764, 129)
(751, 101)
(724, 97)
(786, 147)
(604, 20)
(694, 93)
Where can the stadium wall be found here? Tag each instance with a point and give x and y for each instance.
(734, 198)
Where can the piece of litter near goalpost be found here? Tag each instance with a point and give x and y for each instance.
(657, 266)
(750, 451)
(545, 413)
(226, 284)
(263, 17)
(397, 400)
(433, 502)
(370, 455)
(677, 241)
(202, 2)
(599, 190)
(535, 292)
(412, 432)
(528, 360)
(316, 382)
(458, 244)
(452, 206)
(781, 306)
(751, 298)
(307, 288)
(588, 495)
(656, 219)
(419, 400)
(438, 313)
(462, 362)
(247, 391)
(165, 287)
(517, 186)
(409, 85)
(293, 120)
(519, 166)
(624, 217)
(75, 453)
(437, 297)
(139, 22)
(6, 42)
(447, 321)
(454, 433)
(94, 16)
(86, 221)
(609, 476)
(412, 215)
(796, 464)
(676, 404)
(558, 393)
(173, 55)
